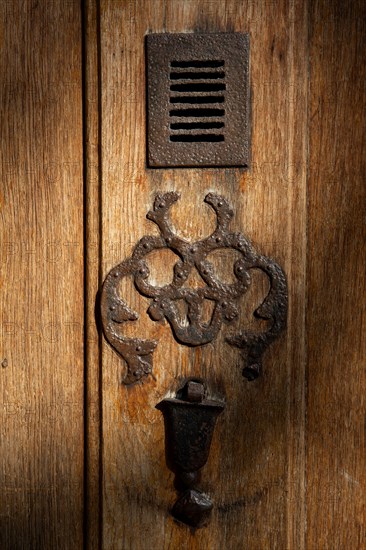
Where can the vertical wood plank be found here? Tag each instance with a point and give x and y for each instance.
(92, 272)
(336, 466)
(41, 276)
(256, 465)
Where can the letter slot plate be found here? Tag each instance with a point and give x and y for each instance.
(198, 100)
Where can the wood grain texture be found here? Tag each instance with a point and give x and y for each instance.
(256, 465)
(41, 277)
(92, 274)
(336, 467)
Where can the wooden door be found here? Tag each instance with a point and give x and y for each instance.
(82, 455)
(42, 276)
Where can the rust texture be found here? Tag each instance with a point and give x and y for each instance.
(164, 300)
(198, 99)
(190, 420)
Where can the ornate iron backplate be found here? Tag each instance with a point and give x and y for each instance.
(115, 312)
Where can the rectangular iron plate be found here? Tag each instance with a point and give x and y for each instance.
(198, 99)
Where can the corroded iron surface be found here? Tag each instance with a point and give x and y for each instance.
(164, 300)
(189, 420)
(198, 99)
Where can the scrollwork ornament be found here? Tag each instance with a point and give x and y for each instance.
(164, 300)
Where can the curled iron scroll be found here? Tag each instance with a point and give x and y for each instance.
(115, 312)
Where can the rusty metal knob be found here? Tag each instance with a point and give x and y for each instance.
(190, 420)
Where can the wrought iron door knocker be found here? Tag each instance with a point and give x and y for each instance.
(192, 414)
